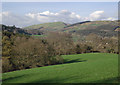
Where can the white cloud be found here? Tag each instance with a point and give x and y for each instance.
(97, 15)
(3, 14)
(63, 15)
(110, 18)
(47, 16)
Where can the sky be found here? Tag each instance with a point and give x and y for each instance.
(24, 14)
(60, 0)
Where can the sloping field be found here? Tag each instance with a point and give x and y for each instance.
(82, 68)
(48, 26)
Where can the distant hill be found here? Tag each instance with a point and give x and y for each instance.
(13, 29)
(48, 26)
(103, 28)
(76, 24)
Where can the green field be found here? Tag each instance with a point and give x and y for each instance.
(38, 35)
(81, 68)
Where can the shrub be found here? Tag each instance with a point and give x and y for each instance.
(58, 59)
(6, 65)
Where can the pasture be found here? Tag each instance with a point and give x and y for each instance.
(80, 68)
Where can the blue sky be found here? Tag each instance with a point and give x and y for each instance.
(82, 8)
(60, 0)
(53, 11)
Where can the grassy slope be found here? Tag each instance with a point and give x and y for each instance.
(48, 26)
(90, 25)
(38, 35)
(102, 28)
(82, 68)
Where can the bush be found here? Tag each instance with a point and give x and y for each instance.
(58, 60)
(78, 49)
(6, 65)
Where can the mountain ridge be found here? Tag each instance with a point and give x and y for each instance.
(102, 28)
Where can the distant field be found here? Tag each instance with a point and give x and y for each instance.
(82, 68)
(38, 35)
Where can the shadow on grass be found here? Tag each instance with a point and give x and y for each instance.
(109, 80)
(60, 81)
(4, 81)
(73, 61)
(56, 80)
(11, 78)
(53, 81)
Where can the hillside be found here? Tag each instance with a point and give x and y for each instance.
(102, 28)
(81, 68)
(48, 26)
(13, 29)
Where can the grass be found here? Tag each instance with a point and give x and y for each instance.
(38, 35)
(81, 68)
(48, 26)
